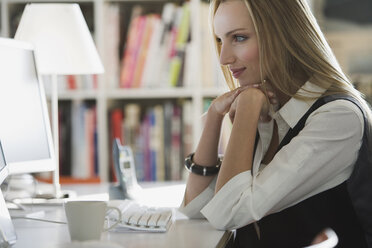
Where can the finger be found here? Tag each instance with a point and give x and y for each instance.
(237, 91)
(232, 116)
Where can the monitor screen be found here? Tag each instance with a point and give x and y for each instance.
(24, 127)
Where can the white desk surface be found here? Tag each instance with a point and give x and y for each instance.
(182, 233)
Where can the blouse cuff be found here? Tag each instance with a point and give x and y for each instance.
(222, 208)
(192, 209)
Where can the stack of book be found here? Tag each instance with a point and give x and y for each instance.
(159, 135)
(154, 51)
(78, 151)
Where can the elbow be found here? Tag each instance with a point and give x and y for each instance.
(191, 214)
(223, 225)
(232, 220)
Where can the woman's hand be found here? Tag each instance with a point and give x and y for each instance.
(222, 104)
(271, 100)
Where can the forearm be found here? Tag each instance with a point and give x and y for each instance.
(205, 154)
(239, 154)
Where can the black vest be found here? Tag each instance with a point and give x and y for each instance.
(344, 208)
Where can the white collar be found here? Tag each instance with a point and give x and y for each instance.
(294, 109)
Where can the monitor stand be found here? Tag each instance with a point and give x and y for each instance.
(23, 189)
(7, 232)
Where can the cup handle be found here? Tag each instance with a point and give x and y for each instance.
(117, 221)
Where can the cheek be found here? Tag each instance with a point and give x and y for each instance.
(251, 55)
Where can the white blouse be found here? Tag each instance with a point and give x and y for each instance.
(320, 157)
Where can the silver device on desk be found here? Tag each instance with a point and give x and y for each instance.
(7, 233)
(125, 171)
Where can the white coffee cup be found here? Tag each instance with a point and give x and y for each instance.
(85, 219)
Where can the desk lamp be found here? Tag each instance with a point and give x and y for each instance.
(63, 46)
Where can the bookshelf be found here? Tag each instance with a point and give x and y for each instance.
(102, 17)
(109, 22)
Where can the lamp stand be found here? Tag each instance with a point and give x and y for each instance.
(54, 107)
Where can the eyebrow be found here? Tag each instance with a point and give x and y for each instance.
(233, 31)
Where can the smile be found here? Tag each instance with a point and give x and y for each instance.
(237, 72)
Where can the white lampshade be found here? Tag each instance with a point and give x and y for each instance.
(62, 41)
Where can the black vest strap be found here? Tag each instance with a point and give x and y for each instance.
(301, 123)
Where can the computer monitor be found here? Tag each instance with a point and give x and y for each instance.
(24, 127)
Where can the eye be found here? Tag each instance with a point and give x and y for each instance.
(218, 40)
(239, 38)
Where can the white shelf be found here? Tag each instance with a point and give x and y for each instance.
(77, 95)
(141, 93)
(213, 92)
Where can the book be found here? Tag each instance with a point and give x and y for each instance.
(176, 153)
(152, 59)
(179, 46)
(91, 149)
(135, 52)
(151, 20)
(130, 46)
(168, 113)
(158, 142)
(132, 136)
(116, 123)
(64, 129)
(78, 141)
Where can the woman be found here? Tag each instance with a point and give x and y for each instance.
(278, 64)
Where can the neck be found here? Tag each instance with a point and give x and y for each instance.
(283, 98)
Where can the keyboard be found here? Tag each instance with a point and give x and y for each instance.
(137, 217)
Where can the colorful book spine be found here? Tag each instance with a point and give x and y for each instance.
(116, 122)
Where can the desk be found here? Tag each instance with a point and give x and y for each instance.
(182, 233)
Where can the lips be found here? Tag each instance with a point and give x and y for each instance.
(237, 72)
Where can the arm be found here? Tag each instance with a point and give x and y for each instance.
(206, 152)
(239, 153)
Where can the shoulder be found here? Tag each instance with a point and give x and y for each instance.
(342, 113)
(342, 106)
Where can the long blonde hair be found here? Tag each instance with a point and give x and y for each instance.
(291, 41)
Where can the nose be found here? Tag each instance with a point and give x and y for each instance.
(226, 55)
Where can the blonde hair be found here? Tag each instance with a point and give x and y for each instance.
(290, 40)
